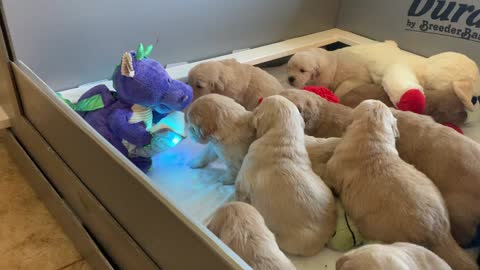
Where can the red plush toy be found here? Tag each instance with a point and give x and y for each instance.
(323, 92)
(455, 127)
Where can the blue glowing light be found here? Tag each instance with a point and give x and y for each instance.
(175, 140)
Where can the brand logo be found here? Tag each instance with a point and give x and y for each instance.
(446, 18)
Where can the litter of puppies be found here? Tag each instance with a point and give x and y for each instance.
(404, 180)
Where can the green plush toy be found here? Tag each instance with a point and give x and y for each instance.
(346, 235)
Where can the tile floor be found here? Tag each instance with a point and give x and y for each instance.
(30, 238)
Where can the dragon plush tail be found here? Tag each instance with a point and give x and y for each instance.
(92, 103)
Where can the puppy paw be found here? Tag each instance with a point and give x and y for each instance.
(227, 179)
(197, 163)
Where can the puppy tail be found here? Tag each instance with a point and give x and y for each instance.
(454, 255)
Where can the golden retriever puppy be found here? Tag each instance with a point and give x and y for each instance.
(398, 256)
(320, 150)
(212, 119)
(323, 119)
(244, 83)
(225, 125)
(243, 229)
(448, 158)
(388, 199)
(442, 106)
(276, 177)
(339, 70)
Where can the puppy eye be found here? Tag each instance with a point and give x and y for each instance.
(474, 100)
(199, 86)
(302, 70)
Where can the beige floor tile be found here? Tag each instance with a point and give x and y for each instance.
(30, 238)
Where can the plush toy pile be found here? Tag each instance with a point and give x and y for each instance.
(397, 175)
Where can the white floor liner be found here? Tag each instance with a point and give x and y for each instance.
(197, 192)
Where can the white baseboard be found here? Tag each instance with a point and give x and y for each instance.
(277, 50)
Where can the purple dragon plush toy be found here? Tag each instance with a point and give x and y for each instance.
(145, 94)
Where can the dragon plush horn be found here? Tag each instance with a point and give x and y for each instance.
(143, 52)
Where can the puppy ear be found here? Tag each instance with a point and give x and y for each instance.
(208, 129)
(217, 222)
(305, 113)
(316, 73)
(219, 86)
(201, 84)
(464, 92)
(342, 263)
(396, 133)
(204, 128)
(302, 122)
(254, 122)
(382, 113)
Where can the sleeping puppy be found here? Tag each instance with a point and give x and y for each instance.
(398, 256)
(388, 199)
(339, 70)
(225, 126)
(242, 228)
(442, 106)
(448, 158)
(277, 179)
(244, 83)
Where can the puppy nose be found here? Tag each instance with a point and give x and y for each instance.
(291, 79)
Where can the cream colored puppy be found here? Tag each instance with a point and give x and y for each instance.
(388, 199)
(276, 178)
(448, 158)
(244, 83)
(225, 126)
(339, 70)
(398, 256)
(243, 229)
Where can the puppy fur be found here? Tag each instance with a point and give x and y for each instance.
(398, 256)
(225, 125)
(323, 119)
(448, 158)
(442, 106)
(216, 113)
(277, 179)
(320, 150)
(389, 200)
(244, 83)
(243, 229)
(336, 70)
